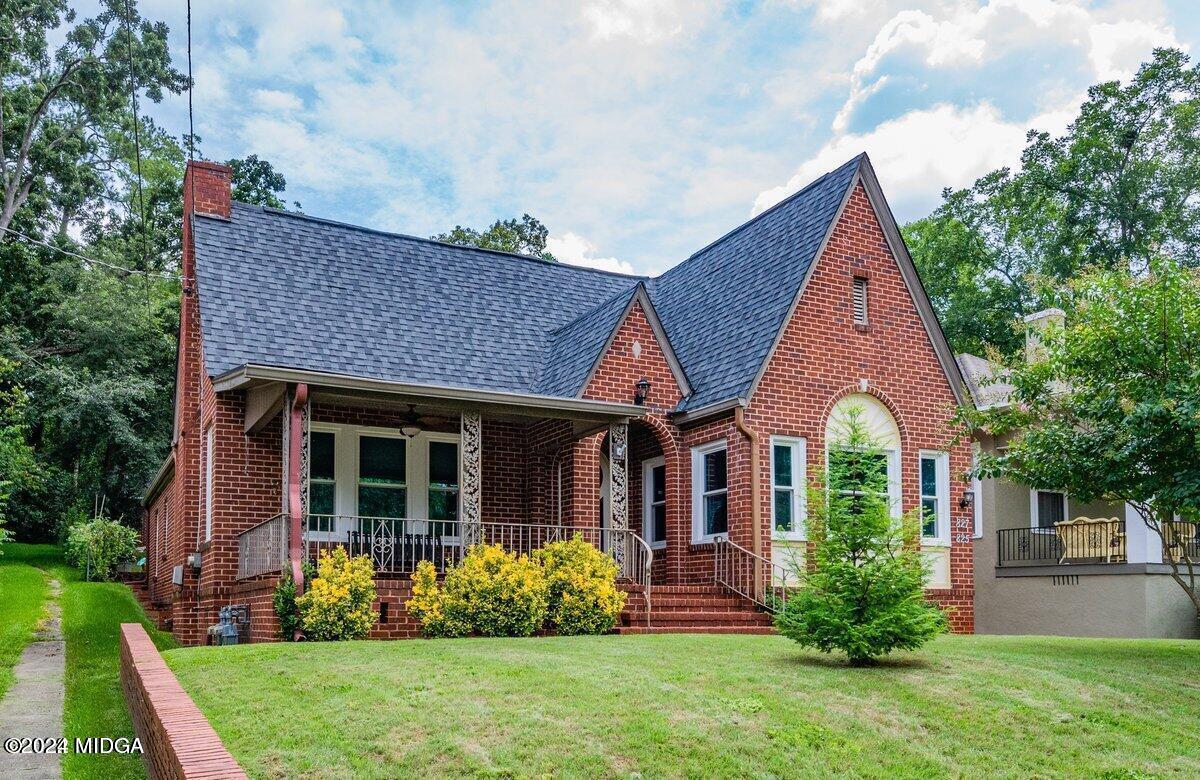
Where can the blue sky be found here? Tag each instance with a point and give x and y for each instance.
(638, 131)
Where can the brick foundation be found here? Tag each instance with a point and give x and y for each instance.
(177, 739)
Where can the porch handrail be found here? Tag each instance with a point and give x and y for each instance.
(749, 575)
(263, 548)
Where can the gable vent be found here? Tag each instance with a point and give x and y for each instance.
(860, 300)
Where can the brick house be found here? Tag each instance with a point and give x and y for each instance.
(404, 398)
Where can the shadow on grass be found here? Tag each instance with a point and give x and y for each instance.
(839, 661)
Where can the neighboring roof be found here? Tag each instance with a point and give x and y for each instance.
(723, 307)
(984, 380)
(281, 289)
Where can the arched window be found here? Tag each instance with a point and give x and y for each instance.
(882, 428)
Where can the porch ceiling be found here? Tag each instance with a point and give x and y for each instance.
(357, 391)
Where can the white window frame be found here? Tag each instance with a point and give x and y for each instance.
(1033, 509)
(361, 433)
(418, 506)
(648, 503)
(209, 479)
(942, 486)
(799, 448)
(977, 496)
(699, 494)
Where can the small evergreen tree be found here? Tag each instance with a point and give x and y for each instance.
(865, 593)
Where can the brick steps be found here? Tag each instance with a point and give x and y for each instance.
(758, 630)
(692, 609)
(160, 617)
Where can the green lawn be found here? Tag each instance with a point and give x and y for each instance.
(91, 616)
(698, 706)
(22, 593)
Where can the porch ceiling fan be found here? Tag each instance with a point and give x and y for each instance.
(414, 423)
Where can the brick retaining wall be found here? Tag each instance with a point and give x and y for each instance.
(177, 739)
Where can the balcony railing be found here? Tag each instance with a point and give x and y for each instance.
(396, 546)
(749, 575)
(1181, 540)
(1063, 544)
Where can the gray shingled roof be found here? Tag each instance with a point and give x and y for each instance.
(284, 289)
(724, 305)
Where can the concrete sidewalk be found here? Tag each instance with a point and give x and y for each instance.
(33, 706)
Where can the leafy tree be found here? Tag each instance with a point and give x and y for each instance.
(18, 467)
(1120, 187)
(1110, 408)
(256, 181)
(58, 102)
(526, 236)
(865, 596)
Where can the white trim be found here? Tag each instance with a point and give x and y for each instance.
(798, 487)
(648, 467)
(1033, 508)
(699, 494)
(209, 478)
(942, 486)
(977, 495)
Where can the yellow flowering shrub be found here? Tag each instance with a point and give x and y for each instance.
(337, 602)
(489, 593)
(584, 598)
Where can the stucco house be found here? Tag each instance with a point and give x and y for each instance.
(405, 398)
(1047, 563)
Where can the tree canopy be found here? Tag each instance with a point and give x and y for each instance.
(524, 236)
(1118, 189)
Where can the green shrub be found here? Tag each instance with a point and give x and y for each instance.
(582, 583)
(284, 601)
(865, 596)
(98, 546)
(489, 593)
(336, 604)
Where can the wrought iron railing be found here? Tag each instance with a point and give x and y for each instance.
(750, 575)
(263, 549)
(1096, 542)
(1181, 541)
(396, 545)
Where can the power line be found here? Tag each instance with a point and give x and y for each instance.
(91, 260)
(137, 140)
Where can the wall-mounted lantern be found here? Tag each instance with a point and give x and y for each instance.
(642, 390)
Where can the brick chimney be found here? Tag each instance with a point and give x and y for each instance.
(1035, 326)
(206, 190)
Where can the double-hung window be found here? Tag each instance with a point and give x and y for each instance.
(787, 487)
(209, 476)
(443, 486)
(857, 474)
(654, 502)
(382, 478)
(1048, 507)
(935, 493)
(710, 492)
(322, 481)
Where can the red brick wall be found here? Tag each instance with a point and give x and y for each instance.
(823, 355)
(177, 739)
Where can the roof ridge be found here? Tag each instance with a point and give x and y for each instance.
(435, 242)
(626, 294)
(853, 161)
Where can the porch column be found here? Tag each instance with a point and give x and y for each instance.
(618, 488)
(470, 512)
(297, 478)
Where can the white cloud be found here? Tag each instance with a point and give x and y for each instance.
(575, 249)
(919, 153)
(968, 35)
(647, 21)
(276, 100)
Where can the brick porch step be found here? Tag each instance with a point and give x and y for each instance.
(761, 630)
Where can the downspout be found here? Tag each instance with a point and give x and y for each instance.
(739, 420)
(295, 515)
